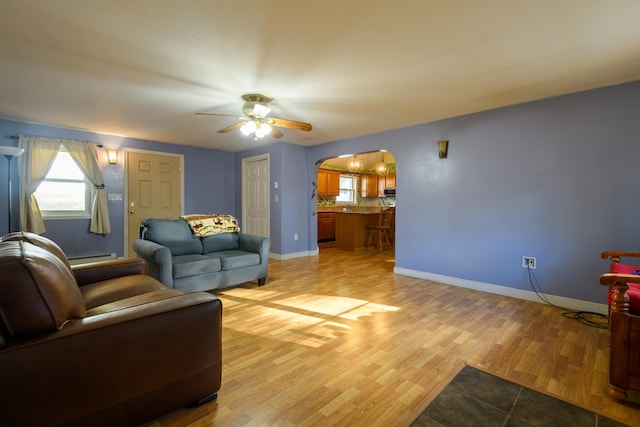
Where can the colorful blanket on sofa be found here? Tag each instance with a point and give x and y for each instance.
(210, 224)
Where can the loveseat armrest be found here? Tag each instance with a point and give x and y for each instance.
(253, 243)
(135, 363)
(158, 258)
(105, 270)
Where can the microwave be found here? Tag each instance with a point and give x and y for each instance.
(389, 192)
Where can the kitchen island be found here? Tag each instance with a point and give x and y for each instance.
(351, 229)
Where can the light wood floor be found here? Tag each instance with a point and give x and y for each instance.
(339, 339)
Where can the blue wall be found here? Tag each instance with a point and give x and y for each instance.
(553, 179)
(209, 185)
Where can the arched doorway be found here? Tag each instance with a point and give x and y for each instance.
(351, 192)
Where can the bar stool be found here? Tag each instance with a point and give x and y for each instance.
(379, 234)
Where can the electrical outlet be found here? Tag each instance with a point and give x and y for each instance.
(528, 262)
(295, 236)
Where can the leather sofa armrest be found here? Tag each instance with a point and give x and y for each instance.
(158, 259)
(116, 357)
(105, 270)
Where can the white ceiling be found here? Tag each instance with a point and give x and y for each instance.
(142, 68)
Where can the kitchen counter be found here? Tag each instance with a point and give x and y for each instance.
(351, 229)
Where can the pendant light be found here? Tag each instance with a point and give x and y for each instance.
(382, 168)
(355, 165)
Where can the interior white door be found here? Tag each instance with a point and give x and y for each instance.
(255, 212)
(154, 190)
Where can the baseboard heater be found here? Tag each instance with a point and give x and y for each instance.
(92, 258)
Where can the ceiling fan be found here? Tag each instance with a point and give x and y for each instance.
(255, 121)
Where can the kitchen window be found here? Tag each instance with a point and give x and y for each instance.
(65, 193)
(347, 189)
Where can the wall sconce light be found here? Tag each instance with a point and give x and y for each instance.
(113, 156)
(443, 148)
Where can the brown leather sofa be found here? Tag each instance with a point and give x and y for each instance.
(101, 344)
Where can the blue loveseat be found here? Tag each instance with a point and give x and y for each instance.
(184, 261)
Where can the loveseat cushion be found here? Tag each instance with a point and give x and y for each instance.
(174, 234)
(38, 293)
(38, 240)
(219, 242)
(193, 265)
(235, 259)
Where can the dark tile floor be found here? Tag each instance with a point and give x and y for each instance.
(475, 398)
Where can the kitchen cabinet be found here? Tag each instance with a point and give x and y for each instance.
(388, 181)
(328, 183)
(326, 226)
(352, 229)
(368, 185)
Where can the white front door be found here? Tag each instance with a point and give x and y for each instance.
(255, 195)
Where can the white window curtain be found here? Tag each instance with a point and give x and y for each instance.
(33, 166)
(40, 152)
(86, 157)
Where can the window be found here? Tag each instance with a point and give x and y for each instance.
(65, 193)
(347, 189)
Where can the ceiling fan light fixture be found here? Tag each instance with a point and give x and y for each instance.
(261, 110)
(262, 130)
(248, 128)
(255, 109)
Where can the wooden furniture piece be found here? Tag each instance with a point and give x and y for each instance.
(328, 183)
(624, 324)
(351, 229)
(379, 234)
(326, 226)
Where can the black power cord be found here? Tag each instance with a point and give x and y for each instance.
(589, 318)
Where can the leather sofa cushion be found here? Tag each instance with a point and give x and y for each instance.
(174, 234)
(193, 265)
(220, 242)
(134, 301)
(38, 293)
(38, 240)
(107, 291)
(235, 259)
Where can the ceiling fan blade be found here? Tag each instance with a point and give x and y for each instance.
(276, 133)
(223, 115)
(230, 128)
(290, 124)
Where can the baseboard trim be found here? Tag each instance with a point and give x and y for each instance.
(569, 303)
(293, 255)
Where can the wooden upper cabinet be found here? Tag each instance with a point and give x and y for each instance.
(368, 185)
(388, 181)
(328, 183)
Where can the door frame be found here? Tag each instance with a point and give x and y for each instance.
(246, 160)
(125, 185)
